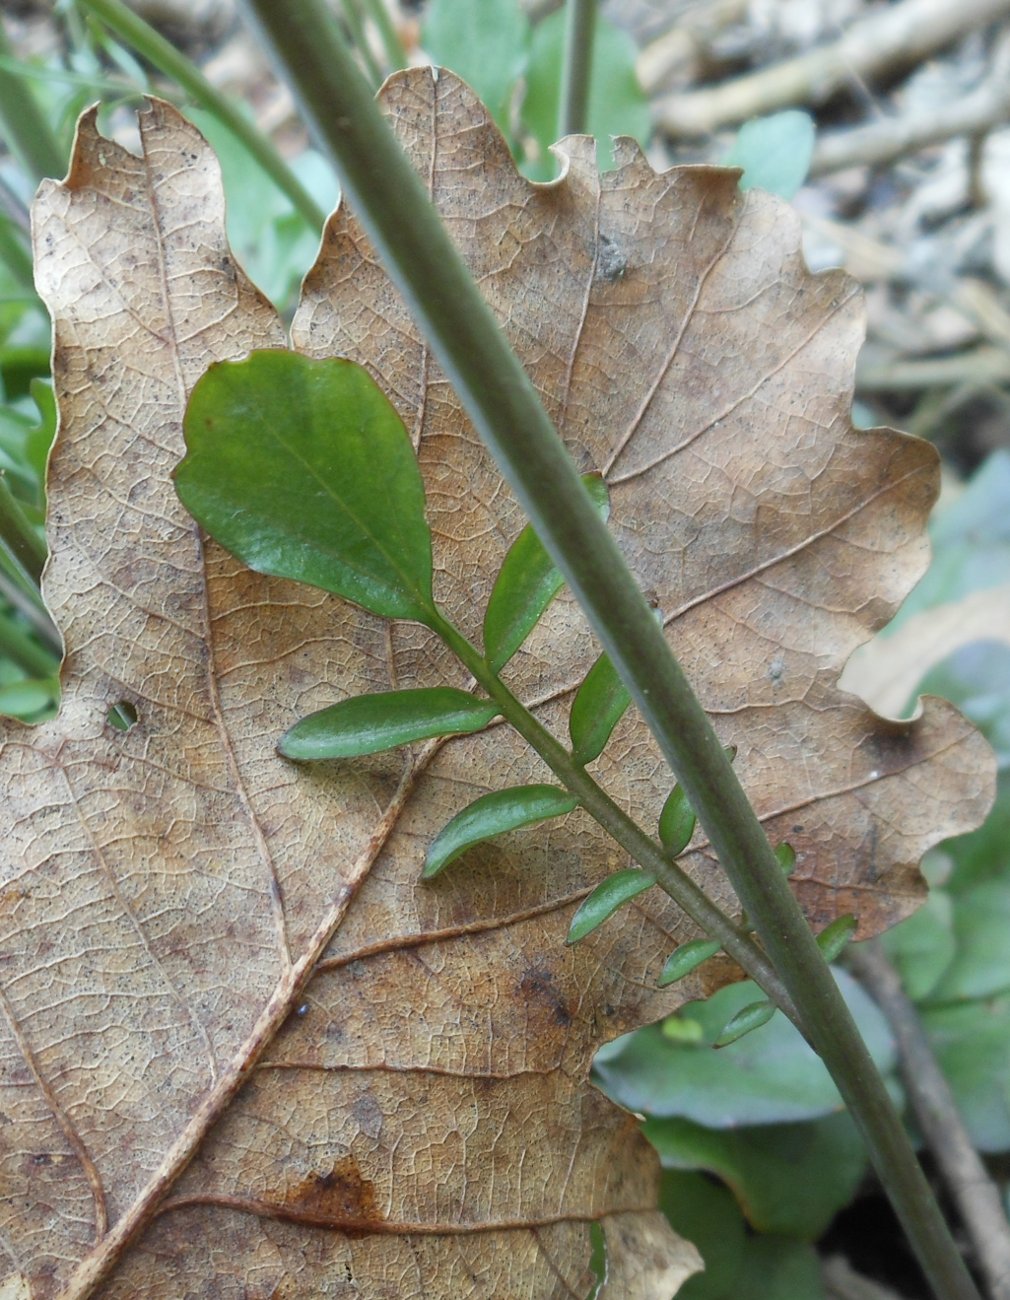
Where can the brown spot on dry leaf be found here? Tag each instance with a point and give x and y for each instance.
(426, 1128)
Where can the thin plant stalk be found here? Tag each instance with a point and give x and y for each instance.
(359, 37)
(17, 645)
(14, 253)
(142, 38)
(389, 200)
(580, 28)
(19, 537)
(25, 129)
(396, 55)
(26, 598)
(621, 828)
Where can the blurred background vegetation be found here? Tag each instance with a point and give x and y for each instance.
(888, 126)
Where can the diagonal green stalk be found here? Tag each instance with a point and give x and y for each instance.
(26, 598)
(396, 55)
(616, 822)
(389, 200)
(18, 646)
(23, 125)
(142, 38)
(14, 252)
(18, 536)
(580, 27)
(356, 27)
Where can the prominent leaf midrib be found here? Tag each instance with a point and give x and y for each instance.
(213, 1103)
(213, 689)
(469, 1072)
(397, 1227)
(423, 598)
(483, 925)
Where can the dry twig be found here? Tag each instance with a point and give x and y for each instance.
(895, 36)
(842, 1282)
(895, 137)
(871, 260)
(682, 47)
(963, 1172)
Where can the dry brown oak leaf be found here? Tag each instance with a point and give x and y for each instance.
(245, 1052)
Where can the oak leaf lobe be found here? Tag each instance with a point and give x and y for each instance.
(173, 893)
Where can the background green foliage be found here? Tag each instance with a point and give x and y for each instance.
(758, 1156)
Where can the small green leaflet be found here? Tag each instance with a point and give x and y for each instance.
(683, 960)
(833, 939)
(494, 814)
(599, 704)
(676, 823)
(369, 723)
(785, 855)
(304, 470)
(774, 152)
(606, 898)
(526, 584)
(747, 1019)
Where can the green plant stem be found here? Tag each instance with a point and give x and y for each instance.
(14, 252)
(18, 646)
(580, 27)
(396, 55)
(148, 43)
(390, 201)
(17, 534)
(25, 129)
(616, 822)
(356, 26)
(22, 591)
(26, 598)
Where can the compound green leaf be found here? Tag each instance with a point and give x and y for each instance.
(748, 1018)
(676, 823)
(835, 937)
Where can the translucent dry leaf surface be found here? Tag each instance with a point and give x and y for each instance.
(245, 1052)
